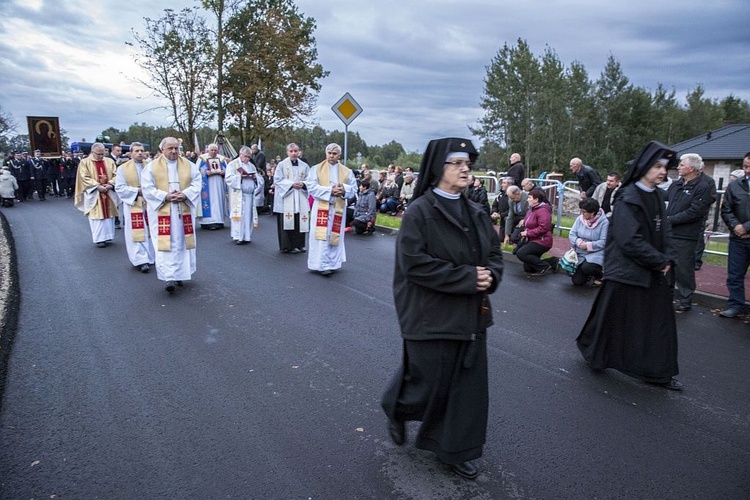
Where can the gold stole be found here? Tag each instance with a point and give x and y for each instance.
(161, 179)
(321, 219)
(138, 217)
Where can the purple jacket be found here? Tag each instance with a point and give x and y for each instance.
(538, 224)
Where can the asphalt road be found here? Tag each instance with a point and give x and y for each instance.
(260, 379)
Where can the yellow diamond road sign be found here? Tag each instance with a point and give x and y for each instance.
(347, 109)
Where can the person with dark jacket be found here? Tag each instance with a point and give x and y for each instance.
(70, 167)
(20, 168)
(588, 178)
(689, 199)
(447, 263)
(735, 212)
(365, 210)
(631, 326)
(517, 170)
(39, 175)
(538, 234)
(479, 195)
(501, 206)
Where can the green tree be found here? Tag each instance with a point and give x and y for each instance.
(180, 67)
(735, 109)
(702, 113)
(272, 75)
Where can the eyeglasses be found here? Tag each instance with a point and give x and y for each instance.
(460, 163)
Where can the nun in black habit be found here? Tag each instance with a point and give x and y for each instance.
(631, 326)
(447, 262)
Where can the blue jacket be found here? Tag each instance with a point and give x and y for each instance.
(596, 236)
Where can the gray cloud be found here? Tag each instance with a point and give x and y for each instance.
(416, 67)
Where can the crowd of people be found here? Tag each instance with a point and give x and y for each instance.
(634, 240)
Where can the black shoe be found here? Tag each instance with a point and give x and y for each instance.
(145, 268)
(295, 250)
(698, 267)
(730, 313)
(683, 308)
(303, 249)
(466, 469)
(180, 283)
(673, 385)
(397, 431)
(554, 264)
(326, 272)
(238, 242)
(101, 244)
(169, 287)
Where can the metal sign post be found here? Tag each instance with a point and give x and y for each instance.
(347, 109)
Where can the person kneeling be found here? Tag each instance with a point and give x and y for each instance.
(538, 233)
(588, 236)
(365, 210)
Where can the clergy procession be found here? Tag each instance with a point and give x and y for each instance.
(162, 200)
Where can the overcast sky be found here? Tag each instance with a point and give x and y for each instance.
(415, 66)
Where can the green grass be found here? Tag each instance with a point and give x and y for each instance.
(386, 220)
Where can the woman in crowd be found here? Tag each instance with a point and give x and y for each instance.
(388, 196)
(538, 234)
(588, 236)
(448, 261)
(631, 326)
(479, 195)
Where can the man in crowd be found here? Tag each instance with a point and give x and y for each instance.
(258, 157)
(128, 188)
(171, 186)
(517, 170)
(95, 195)
(21, 170)
(527, 185)
(330, 183)
(587, 177)
(70, 167)
(735, 211)
(501, 206)
(39, 175)
(518, 206)
(116, 155)
(605, 192)
(290, 201)
(212, 167)
(244, 182)
(690, 198)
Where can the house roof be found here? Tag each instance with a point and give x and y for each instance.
(727, 143)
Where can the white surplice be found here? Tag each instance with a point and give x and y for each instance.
(139, 252)
(177, 264)
(321, 255)
(285, 175)
(242, 192)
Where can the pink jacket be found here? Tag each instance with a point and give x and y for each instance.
(538, 224)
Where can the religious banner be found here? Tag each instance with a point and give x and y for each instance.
(44, 135)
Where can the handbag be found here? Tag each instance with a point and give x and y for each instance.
(515, 236)
(569, 261)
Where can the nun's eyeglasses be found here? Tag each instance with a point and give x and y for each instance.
(460, 163)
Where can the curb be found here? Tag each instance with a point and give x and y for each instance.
(10, 299)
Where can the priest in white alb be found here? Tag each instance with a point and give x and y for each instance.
(330, 183)
(134, 213)
(95, 194)
(244, 183)
(171, 185)
(290, 202)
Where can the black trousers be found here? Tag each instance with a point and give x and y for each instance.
(684, 271)
(584, 271)
(530, 254)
